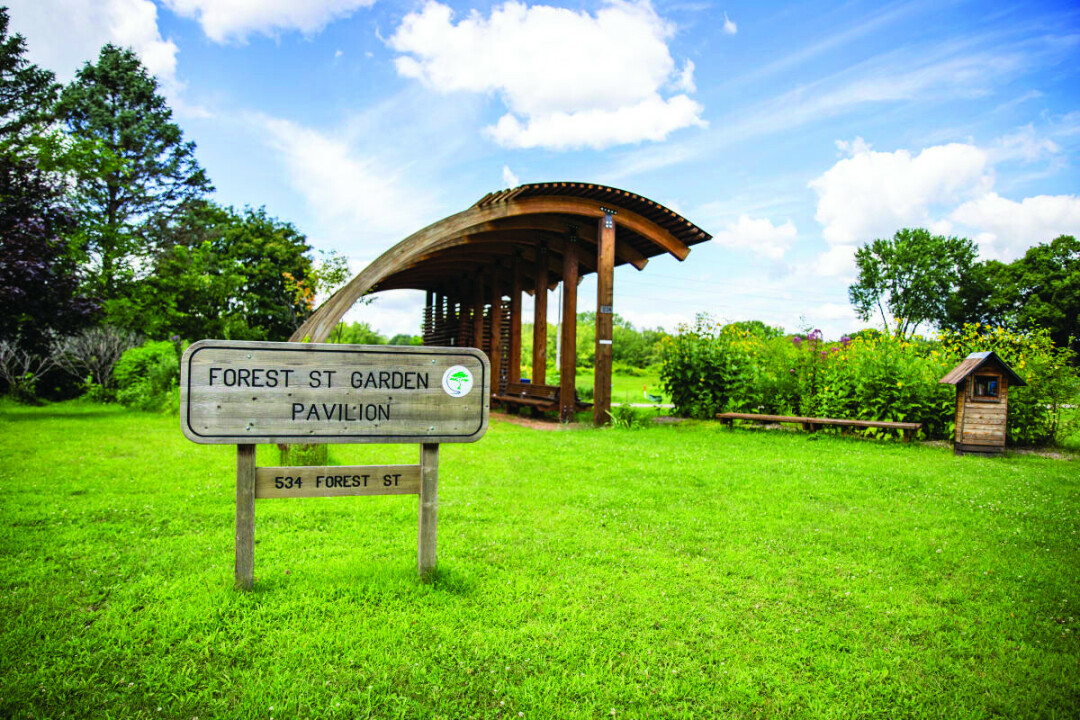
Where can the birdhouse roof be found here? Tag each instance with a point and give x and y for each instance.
(975, 362)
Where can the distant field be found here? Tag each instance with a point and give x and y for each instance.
(682, 571)
(625, 388)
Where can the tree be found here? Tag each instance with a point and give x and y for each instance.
(357, 333)
(143, 169)
(27, 93)
(224, 274)
(1045, 290)
(912, 274)
(39, 278)
(985, 295)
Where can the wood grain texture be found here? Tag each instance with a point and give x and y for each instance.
(605, 297)
(568, 327)
(513, 367)
(427, 532)
(540, 308)
(336, 481)
(492, 214)
(245, 392)
(244, 568)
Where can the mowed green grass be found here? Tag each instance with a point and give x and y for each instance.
(683, 571)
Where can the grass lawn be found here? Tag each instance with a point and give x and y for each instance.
(683, 571)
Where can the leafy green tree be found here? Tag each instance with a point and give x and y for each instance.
(357, 333)
(1045, 290)
(38, 275)
(27, 93)
(984, 295)
(912, 275)
(143, 168)
(224, 274)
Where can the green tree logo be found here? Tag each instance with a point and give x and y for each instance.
(457, 381)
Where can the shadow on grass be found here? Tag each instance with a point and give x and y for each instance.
(362, 581)
(38, 414)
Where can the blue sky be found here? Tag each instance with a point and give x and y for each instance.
(793, 132)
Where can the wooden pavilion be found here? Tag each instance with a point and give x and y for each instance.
(475, 265)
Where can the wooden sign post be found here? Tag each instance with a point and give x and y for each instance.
(246, 393)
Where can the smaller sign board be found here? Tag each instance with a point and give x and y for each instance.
(336, 481)
(237, 392)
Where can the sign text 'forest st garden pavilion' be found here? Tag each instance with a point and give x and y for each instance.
(246, 393)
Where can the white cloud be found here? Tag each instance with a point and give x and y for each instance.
(510, 180)
(358, 200)
(234, 20)
(730, 28)
(65, 34)
(759, 236)
(1008, 228)
(947, 189)
(837, 261)
(568, 78)
(873, 194)
(685, 80)
(1026, 145)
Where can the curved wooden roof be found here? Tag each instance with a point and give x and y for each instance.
(514, 226)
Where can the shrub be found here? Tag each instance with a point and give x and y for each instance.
(699, 369)
(95, 352)
(148, 376)
(874, 376)
(629, 417)
(884, 377)
(1035, 411)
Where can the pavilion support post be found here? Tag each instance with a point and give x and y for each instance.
(568, 361)
(478, 314)
(540, 310)
(429, 316)
(513, 368)
(605, 297)
(496, 355)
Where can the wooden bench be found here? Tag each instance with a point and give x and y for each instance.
(811, 424)
(545, 398)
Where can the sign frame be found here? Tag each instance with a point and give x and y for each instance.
(253, 482)
(318, 360)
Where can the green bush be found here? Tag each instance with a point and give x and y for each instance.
(707, 368)
(629, 417)
(148, 376)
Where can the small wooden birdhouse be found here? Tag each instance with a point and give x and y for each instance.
(982, 383)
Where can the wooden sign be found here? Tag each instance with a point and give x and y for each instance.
(240, 392)
(336, 481)
(245, 393)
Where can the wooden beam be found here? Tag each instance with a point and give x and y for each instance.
(568, 361)
(513, 368)
(540, 309)
(605, 298)
(496, 354)
(449, 230)
(519, 227)
(591, 208)
(478, 313)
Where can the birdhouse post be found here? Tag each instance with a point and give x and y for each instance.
(982, 383)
